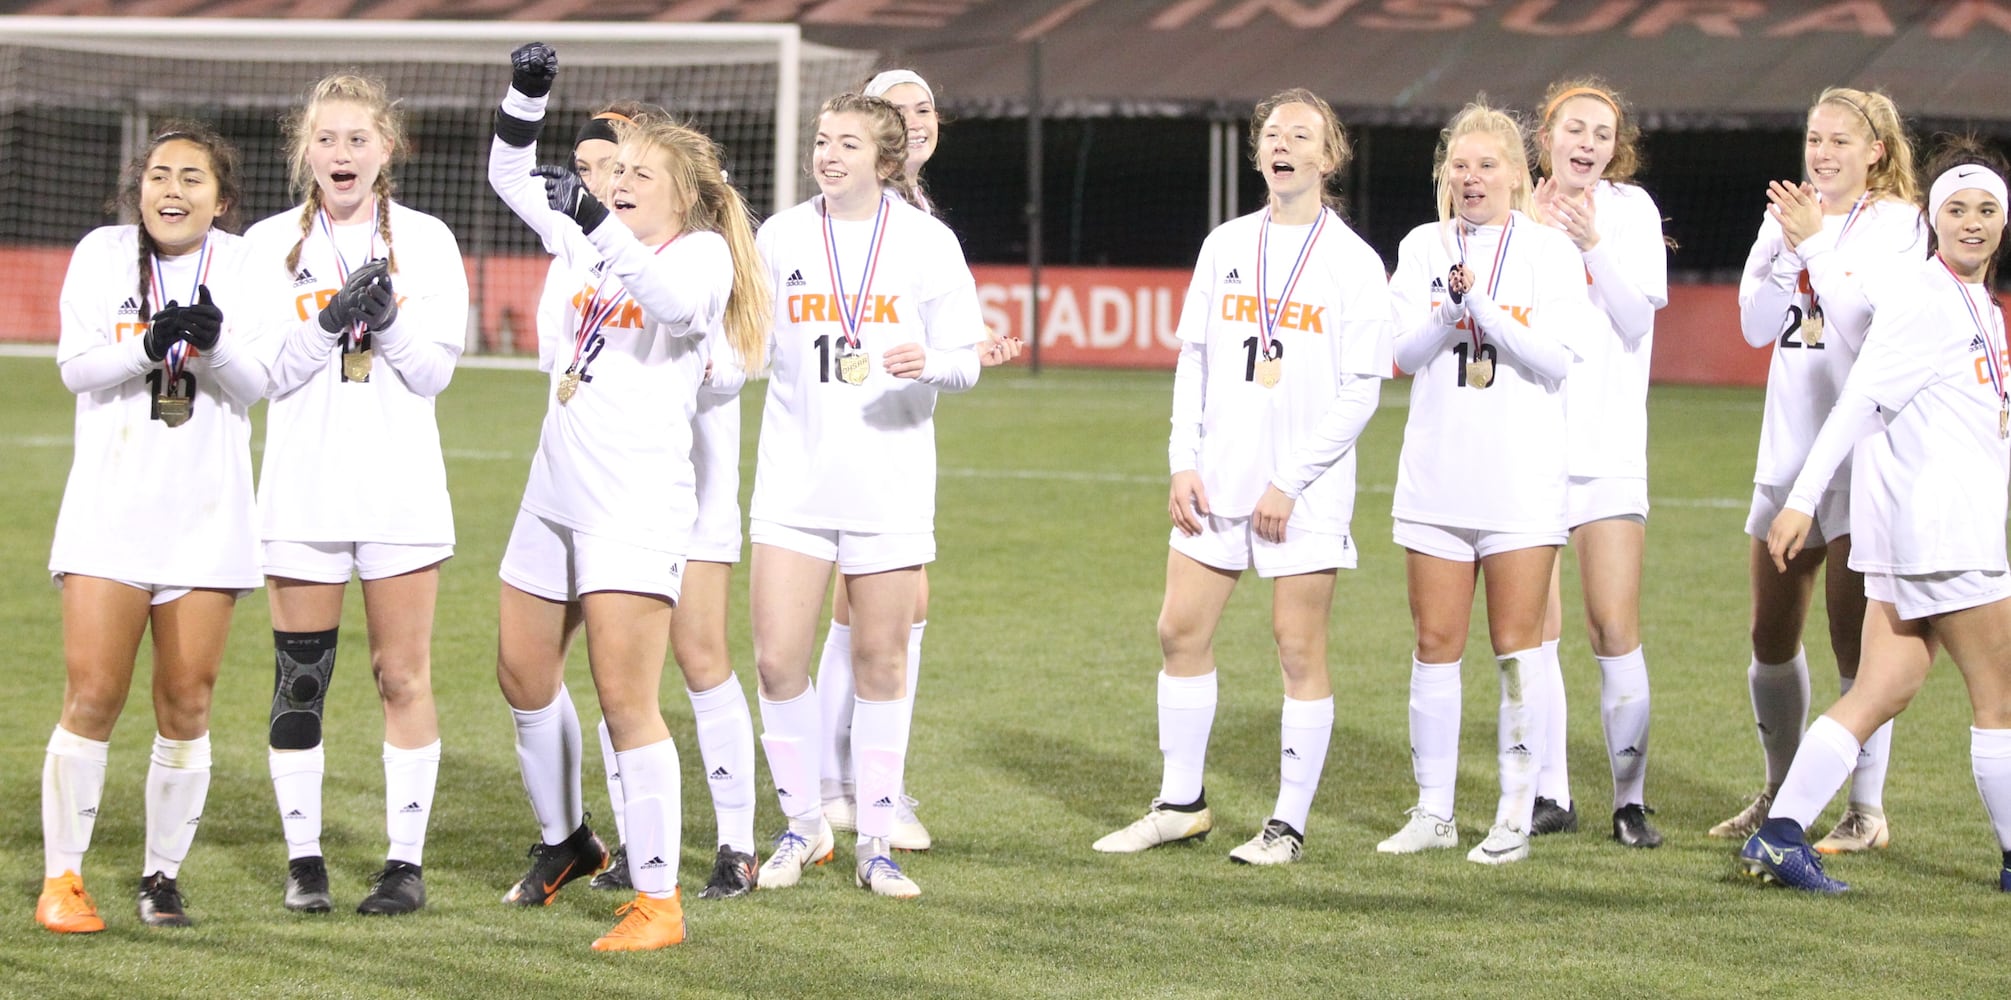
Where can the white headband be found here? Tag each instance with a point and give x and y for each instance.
(1962, 178)
(879, 85)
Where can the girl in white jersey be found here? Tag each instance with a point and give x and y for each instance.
(370, 305)
(1285, 342)
(155, 528)
(1927, 410)
(1854, 213)
(1587, 147)
(875, 313)
(912, 97)
(606, 526)
(1487, 301)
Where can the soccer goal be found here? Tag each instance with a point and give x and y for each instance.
(78, 96)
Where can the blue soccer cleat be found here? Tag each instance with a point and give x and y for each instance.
(1778, 852)
(2004, 879)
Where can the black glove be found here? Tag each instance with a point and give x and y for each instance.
(377, 306)
(166, 327)
(533, 67)
(202, 323)
(565, 192)
(344, 310)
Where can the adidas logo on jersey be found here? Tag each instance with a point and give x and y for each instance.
(720, 774)
(412, 807)
(794, 280)
(1232, 278)
(305, 277)
(653, 863)
(1438, 284)
(1975, 343)
(131, 305)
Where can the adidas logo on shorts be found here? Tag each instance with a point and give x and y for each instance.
(883, 802)
(794, 280)
(305, 277)
(653, 863)
(782, 793)
(88, 812)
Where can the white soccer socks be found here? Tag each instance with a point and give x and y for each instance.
(1305, 728)
(726, 744)
(296, 786)
(73, 783)
(790, 737)
(834, 707)
(1524, 676)
(409, 778)
(1186, 715)
(1867, 780)
(1623, 714)
(880, 749)
(177, 787)
(1780, 709)
(651, 791)
(549, 746)
(1553, 776)
(1827, 755)
(1990, 761)
(1434, 734)
(616, 804)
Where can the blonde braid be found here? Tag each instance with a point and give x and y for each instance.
(382, 190)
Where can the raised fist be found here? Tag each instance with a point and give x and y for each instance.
(533, 67)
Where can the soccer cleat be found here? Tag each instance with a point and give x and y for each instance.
(398, 888)
(615, 875)
(1777, 853)
(842, 814)
(1748, 819)
(1424, 832)
(733, 874)
(1631, 829)
(553, 865)
(161, 903)
(1162, 824)
(1504, 845)
(2004, 879)
(1548, 817)
(307, 885)
(646, 924)
(1276, 844)
(909, 833)
(792, 853)
(66, 908)
(878, 872)
(1860, 828)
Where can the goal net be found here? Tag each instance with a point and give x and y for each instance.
(79, 97)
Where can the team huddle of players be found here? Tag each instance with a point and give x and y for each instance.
(1524, 313)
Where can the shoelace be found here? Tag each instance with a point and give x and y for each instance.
(789, 844)
(880, 864)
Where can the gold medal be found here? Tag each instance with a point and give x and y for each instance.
(1480, 373)
(1269, 371)
(173, 410)
(356, 366)
(1811, 331)
(852, 366)
(569, 383)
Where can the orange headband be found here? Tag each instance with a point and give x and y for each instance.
(1558, 101)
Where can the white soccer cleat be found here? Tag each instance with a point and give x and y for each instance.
(1860, 828)
(792, 853)
(909, 833)
(1159, 826)
(1276, 844)
(1749, 819)
(1504, 844)
(878, 872)
(842, 814)
(1424, 832)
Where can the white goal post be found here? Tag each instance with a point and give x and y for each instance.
(79, 95)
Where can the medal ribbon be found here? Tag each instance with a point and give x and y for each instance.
(1493, 276)
(356, 331)
(852, 317)
(178, 352)
(598, 312)
(1271, 317)
(1849, 220)
(1990, 346)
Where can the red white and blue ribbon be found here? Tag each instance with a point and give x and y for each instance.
(1991, 345)
(599, 310)
(356, 331)
(851, 317)
(1270, 317)
(178, 352)
(1494, 275)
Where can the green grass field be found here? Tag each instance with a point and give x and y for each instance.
(1035, 734)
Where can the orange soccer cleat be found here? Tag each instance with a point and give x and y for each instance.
(66, 908)
(647, 924)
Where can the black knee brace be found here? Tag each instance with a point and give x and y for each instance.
(303, 665)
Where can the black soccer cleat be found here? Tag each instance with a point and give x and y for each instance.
(1631, 829)
(615, 875)
(161, 902)
(734, 873)
(1548, 817)
(553, 865)
(307, 885)
(396, 889)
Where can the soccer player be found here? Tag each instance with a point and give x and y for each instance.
(605, 530)
(1855, 211)
(155, 527)
(1926, 410)
(1285, 340)
(370, 305)
(1587, 146)
(875, 314)
(1487, 304)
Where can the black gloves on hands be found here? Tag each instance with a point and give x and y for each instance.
(533, 67)
(163, 329)
(202, 323)
(565, 192)
(377, 305)
(346, 309)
